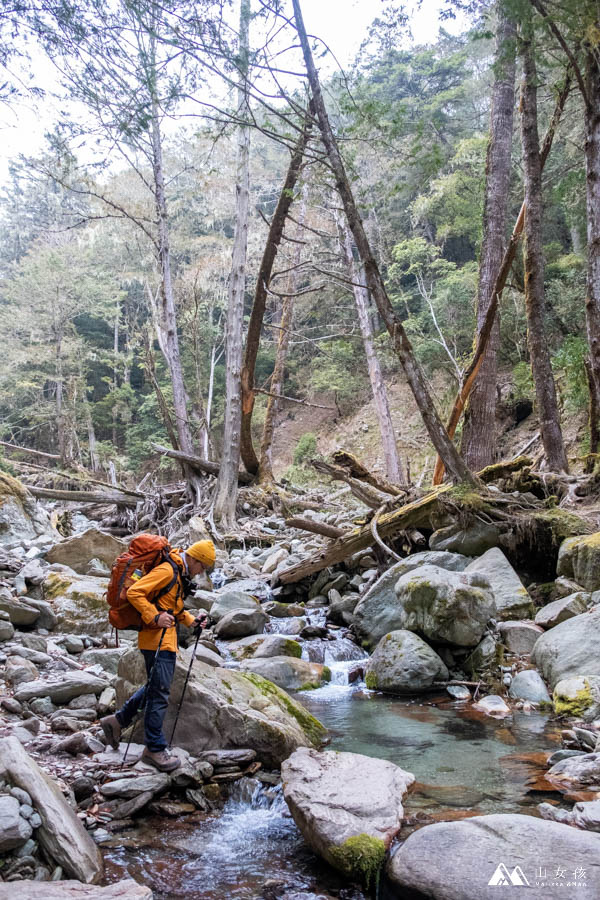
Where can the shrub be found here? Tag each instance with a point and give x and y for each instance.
(305, 448)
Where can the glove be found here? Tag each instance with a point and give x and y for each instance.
(199, 623)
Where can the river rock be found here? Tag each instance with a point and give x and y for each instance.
(19, 611)
(19, 671)
(500, 846)
(7, 630)
(14, 829)
(341, 607)
(471, 541)
(78, 551)
(347, 806)
(107, 657)
(585, 814)
(445, 607)
(283, 610)
(579, 559)
(570, 648)
(78, 601)
(274, 560)
(581, 770)
(578, 695)
(72, 684)
(139, 784)
(208, 656)
(232, 600)
(261, 646)
(512, 599)
(241, 622)
(562, 609)
(127, 889)
(404, 664)
(22, 520)
(519, 637)
(289, 673)
(529, 685)
(61, 834)
(493, 705)
(228, 709)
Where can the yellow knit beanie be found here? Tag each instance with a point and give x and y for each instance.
(204, 552)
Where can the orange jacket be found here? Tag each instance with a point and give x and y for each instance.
(141, 595)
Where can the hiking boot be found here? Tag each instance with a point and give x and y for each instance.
(161, 760)
(112, 730)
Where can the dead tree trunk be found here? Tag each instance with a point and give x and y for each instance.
(535, 298)
(592, 166)
(479, 429)
(437, 433)
(226, 495)
(274, 236)
(393, 466)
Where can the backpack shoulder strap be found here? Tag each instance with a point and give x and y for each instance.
(175, 579)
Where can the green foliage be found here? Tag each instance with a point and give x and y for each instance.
(570, 360)
(523, 381)
(305, 448)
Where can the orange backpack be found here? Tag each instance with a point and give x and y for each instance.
(145, 552)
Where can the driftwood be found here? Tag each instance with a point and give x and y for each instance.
(82, 496)
(357, 470)
(315, 527)
(204, 466)
(29, 450)
(80, 476)
(368, 495)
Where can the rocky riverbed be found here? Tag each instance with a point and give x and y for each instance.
(345, 727)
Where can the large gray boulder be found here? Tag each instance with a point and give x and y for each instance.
(260, 646)
(579, 559)
(61, 834)
(570, 648)
(562, 609)
(241, 623)
(289, 673)
(441, 604)
(78, 601)
(529, 685)
(512, 598)
(22, 520)
(577, 771)
(78, 551)
(471, 541)
(227, 709)
(404, 664)
(585, 814)
(71, 684)
(347, 806)
(503, 850)
(520, 637)
(230, 600)
(127, 889)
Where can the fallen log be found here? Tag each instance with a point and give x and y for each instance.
(370, 496)
(315, 527)
(204, 466)
(80, 476)
(502, 469)
(29, 450)
(82, 496)
(357, 470)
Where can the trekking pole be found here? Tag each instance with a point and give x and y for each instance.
(143, 704)
(197, 632)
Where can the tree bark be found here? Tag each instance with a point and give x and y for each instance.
(274, 236)
(479, 429)
(393, 466)
(535, 299)
(226, 494)
(437, 433)
(204, 466)
(592, 166)
(82, 496)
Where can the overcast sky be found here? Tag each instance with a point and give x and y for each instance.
(342, 24)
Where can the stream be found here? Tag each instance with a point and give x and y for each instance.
(465, 763)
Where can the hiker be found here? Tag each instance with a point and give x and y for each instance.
(160, 611)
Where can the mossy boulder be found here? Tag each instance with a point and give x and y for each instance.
(22, 520)
(578, 697)
(78, 602)
(347, 806)
(289, 673)
(404, 664)
(570, 648)
(579, 559)
(258, 646)
(227, 709)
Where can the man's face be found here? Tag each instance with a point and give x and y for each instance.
(195, 567)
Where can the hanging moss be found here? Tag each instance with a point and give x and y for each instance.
(361, 858)
(371, 681)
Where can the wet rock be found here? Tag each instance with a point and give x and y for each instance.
(71, 685)
(472, 541)
(127, 889)
(559, 755)
(232, 600)
(241, 622)
(570, 648)
(459, 691)
(579, 559)
(78, 602)
(498, 844)
(519, 637)
(585, 814)
(578, 770)
(78, 551)
(132, 787)
(341, 608)
(562, 609)
(403, 663)
(282, 610)
(529, 685)
(198, 798)
(578, 695)
(61, 834)
(21, 518)
(493, 705)
(288, 672)
(586, 738)
(264, 646)
(226, 708)
(313, 631)
(14, 829)
(512, 599)
(347, 806)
